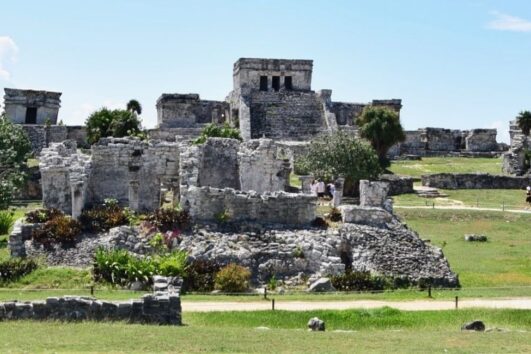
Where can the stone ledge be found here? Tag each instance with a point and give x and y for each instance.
(372, 216)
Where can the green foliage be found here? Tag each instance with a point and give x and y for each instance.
(134, 106)
(334, 215)
(223, 217)
(162, 242)
(169, 219)
(341, 154)
(381, 127)
(213, 130)
(358, 281)
(200, 275)
(7, 219)
(42, 215)
(105, 217)
(15, 148)
(60, 229)
(120, 267)
(320, 223)
(272, 283)
(15, 268)
(523, 120)
(233, 278)
(298, 252)
(115, 123)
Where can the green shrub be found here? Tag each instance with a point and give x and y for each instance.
(201, 275)
(120, 267)
(233, 278)
(16, 268)
(60, 229)
(223, 217)
(358, 281)
(104, 217)
(298, 252)
(42, 215)
(213, 130)
(169, 219)
(116, 123)
(334, 215)
(7, 219)
(320, 223)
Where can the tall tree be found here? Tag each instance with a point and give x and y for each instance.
(134, 106)
(523, 120)
(381, 127)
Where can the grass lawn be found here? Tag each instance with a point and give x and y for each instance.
(505, 260)
(382, 330)
(429, 165)
(483, 198)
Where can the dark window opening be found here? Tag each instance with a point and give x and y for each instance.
(276, 83)
(236, 118)
(263, 83)
(31, 115)
(288, 83)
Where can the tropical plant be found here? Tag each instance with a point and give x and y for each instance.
(105, 216)
(7, 219)
(115, 123)
(134, 106)
(213, 130)
(523, 120)
(169, 219)
(15, 149)
(42, 215)
(60, 229)
(200, 275)
(381, 127)
(233, 278)
(14, 268)
(341, 154)
(358, 281)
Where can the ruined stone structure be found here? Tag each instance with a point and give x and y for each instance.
(271, 98)
(475, 181)
(439, 141)
(37, 112)
(514, 159)
(32, 107)
(162, 308)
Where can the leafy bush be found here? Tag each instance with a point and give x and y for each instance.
(15, 268)
(168, 219)
(165, 241)
(358, 281)
(320, 223)
(116, 123)
(213, 130)
(15, 148)
(233, 278)
(42, 215)
(60, 229)
(7, 219)
(223, 217)
(105, 217)
(341, 154)
(120, 267)
(298, 252)
(200, 275)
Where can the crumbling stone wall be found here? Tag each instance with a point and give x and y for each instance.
(398, 184)
(158, 308)
(373, 193)
(474, 181)
(188, 110)
(46, 103)
(481, 140)
(514, 159)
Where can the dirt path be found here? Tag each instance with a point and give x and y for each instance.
(458, 207)
(416, 305)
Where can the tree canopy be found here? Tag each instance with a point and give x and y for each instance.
(523, 120)
(381, 127)
(341, 155)
(15, 148)
(134, 106)
(115, 123)
(213, 130)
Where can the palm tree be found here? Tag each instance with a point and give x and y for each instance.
(134, 106)
(523, 119)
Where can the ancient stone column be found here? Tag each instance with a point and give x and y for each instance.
(134, 201)
(306, 184)
(338, 194)
(78, 198)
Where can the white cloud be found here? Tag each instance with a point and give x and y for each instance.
(8, 53)
(504, 22)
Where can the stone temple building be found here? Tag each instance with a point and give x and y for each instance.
(271, 98)
(32, 107)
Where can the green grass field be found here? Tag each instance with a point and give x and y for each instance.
(429, 165)
(380, 330)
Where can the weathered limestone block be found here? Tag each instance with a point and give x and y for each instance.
(474, 181)
(373, 193)
(374, 216)
(398, 184)
(481, 140)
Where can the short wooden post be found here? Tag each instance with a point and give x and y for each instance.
(456, 302)
(273, 304)
(265, 293)
(429, 291)
(92, 290)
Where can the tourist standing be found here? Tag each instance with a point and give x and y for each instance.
(313, 187)
(321, 188)
(528, 195)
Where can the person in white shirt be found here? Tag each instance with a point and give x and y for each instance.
(313, 187)
(321, 188)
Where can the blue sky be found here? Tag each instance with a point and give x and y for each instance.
(455, 63)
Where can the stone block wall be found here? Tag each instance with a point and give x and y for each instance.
(46, 103)
(514, 159)
(219, 166)
(481, 140)
(158, 308)
(474, 181)
(398, 184)
(206, 204)
(373, 193)
(188, 110)
(372, 216)
(41, 136)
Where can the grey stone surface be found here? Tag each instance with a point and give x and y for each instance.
(17, 102)
(514, 159)
(476, 325)
(315, 324)
(321, 285)
(158, 308)
(373, 193)
(475, 181)
(398, 184)
(365, 215)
